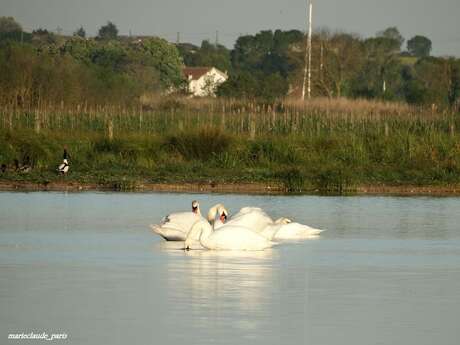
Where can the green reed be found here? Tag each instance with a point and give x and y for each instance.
(319, 145)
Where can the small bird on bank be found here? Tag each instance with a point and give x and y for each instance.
(64, 167)
(24, 168)
(26, 165)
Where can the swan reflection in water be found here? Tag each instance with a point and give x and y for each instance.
(221, 283)
(218, 294)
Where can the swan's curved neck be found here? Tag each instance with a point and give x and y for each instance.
(200, 230)
(205, 233)
(212, 213)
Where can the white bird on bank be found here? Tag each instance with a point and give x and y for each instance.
(64, 167)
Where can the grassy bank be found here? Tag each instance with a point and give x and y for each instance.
(329, 146)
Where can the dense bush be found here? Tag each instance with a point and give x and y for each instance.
(85, 71)
(201, 144)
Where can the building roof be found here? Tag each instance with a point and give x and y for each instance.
(196, 72)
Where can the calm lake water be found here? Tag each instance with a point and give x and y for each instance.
(386, 271)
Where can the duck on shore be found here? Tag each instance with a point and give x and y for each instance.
(63, 168)
(16, 167)
(26, 165)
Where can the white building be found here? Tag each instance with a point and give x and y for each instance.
(203, 81)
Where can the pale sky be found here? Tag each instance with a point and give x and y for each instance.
(200, 19)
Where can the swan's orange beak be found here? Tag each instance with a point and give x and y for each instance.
(223, 217)
(195, 209)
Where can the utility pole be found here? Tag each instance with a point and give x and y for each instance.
(307, 69)
(321, 64)
(178, 37)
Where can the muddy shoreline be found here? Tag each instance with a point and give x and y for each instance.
(234, 188)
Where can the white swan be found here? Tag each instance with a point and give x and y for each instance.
(227, 237)
(257, 220)
(253, 218)
(218, 209)
(284, 229)
(176, 226)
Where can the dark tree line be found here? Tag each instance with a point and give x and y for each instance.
(270, 65)
(42, 67)
(267, 65)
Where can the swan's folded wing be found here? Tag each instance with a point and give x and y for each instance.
(293, 231)
(270, 231)
(248, 209)
(168, 233)
(183, 220)
(256, 220)
(237, 238)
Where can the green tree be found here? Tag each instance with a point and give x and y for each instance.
(419, 46)
(80, 32)
(108, 31)
(266, 51)
(282, 40)
(380, 76)
(385, 45)
(80, 50)
(393, 34)
(340, 57)
(239, 85)
(454, 92)
(433, 81)
(272, 87)
(8, 24)
(278, 60)
(207, 55)
(111, 55)
(249, 50)
(165, 58)
(253, 85)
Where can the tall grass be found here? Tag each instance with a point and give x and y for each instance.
(322, 144)
(235, 117)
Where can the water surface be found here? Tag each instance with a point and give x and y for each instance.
(387, 271)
